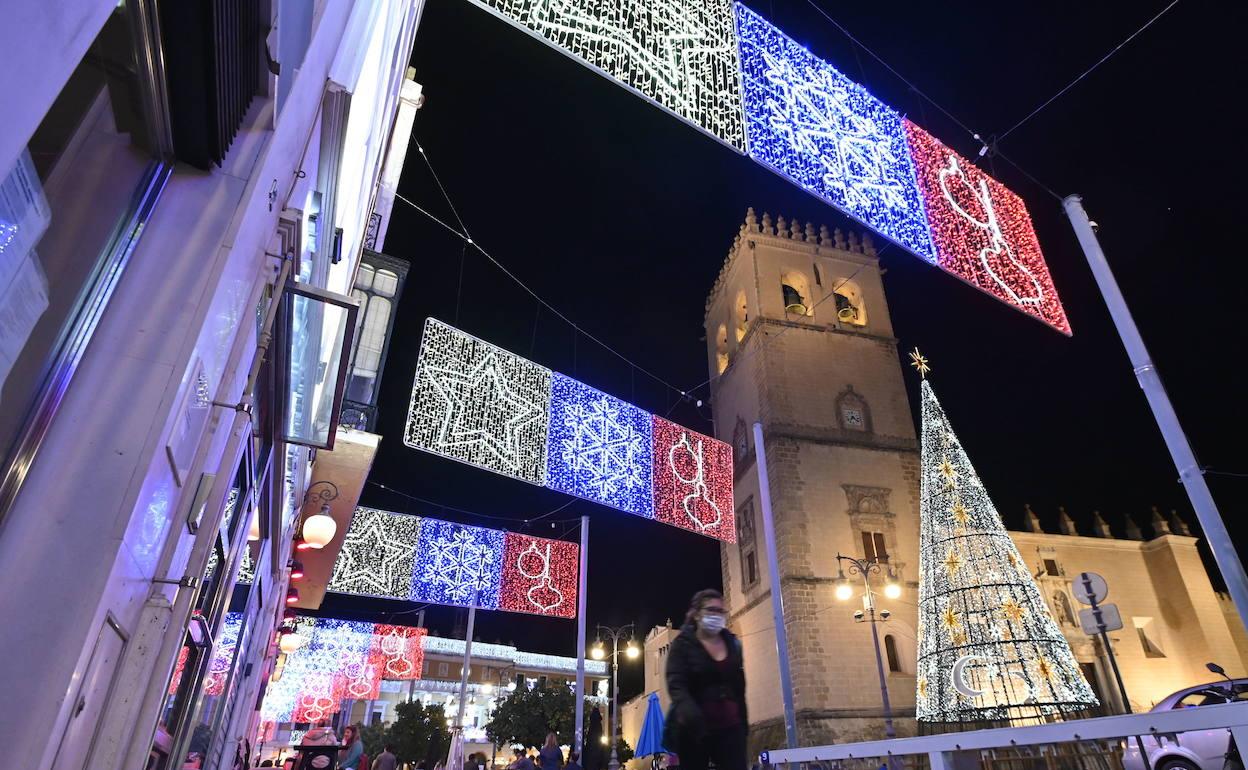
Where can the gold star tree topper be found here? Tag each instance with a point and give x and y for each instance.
(919, 362)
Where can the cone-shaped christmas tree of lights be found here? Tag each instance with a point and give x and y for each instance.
(989, 651)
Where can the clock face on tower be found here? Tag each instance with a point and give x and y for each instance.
(852, 418)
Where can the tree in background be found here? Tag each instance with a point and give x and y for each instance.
(526, 715)
(419, 733)
(374, 738)
(989, 651)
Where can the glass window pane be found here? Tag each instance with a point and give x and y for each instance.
(60, 203)
(363, 280)
(387, 283)
(317, 325)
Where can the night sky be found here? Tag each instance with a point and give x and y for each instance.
(620, 215)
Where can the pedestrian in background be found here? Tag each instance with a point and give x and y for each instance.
(573, 761)
(550, 757)
(387, 761)
(353, 748)
(707, 722)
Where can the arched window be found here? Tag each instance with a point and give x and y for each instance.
(850, 309)
(795, 291)
(741, 315)
(721, 349)
(890, 651)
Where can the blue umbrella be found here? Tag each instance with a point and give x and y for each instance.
(651, 739)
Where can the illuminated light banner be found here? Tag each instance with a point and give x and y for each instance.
(827, 134)
(677, 54)
(591, 445)
(412, 558)
(341, 659)
(982, 231)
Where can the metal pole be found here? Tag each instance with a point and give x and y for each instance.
(578, 740)
(889, 732)
(1190, 474)
(777, 597)
(463, 675)
(614, 721)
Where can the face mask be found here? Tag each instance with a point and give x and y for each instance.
(712, 624)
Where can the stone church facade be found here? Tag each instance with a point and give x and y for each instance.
(799, 338)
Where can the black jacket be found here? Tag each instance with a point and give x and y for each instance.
(693, 676)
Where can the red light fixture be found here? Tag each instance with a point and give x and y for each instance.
(292, 595)
(296, 569)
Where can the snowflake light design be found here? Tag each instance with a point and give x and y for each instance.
(378, 555)
(693, 481)
(827, 134)
(982, 232)
(680, 55)
(478, 404)
(539, 575)
(457, 564)
(599, 447)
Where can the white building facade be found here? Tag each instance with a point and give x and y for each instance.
(185, 193)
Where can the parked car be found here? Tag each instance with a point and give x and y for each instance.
(1195, 749)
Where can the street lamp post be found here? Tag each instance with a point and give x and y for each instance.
(892, 590)
(506, 685)
(599, 652)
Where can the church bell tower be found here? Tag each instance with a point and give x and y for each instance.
(799, 339)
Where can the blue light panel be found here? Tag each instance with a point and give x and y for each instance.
(600, 448)
(827, 134)
(458, 564)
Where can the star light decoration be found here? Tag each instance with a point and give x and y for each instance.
(981, 231)
(680, 55)
(693, 481)
(478, 404)
(378, 555)
(467, 405)
(458, 564)
(540, 576)
(980, 614)
(599, 448)
(827, 134)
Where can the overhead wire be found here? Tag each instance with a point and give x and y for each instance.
(1088, 71)
(464, 234)
(527, 521)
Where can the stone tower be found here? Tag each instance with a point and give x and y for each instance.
(799, 338)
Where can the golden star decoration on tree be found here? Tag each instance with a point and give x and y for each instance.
(922, 687)
(1012, 610)
(952, 563)
(919, 362)
(1044, 668)
(950, 618)
(946, 470)
(960, 513)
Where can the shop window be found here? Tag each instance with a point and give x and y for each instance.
(890, 652)
(72, 207)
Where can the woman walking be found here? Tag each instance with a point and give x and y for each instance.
(550, 757)
(353, 748)
(706, 680)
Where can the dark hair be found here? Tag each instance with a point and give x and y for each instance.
(699, 600)
(390, 748)
(267, 763)
(518, 752)
(573, 756)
